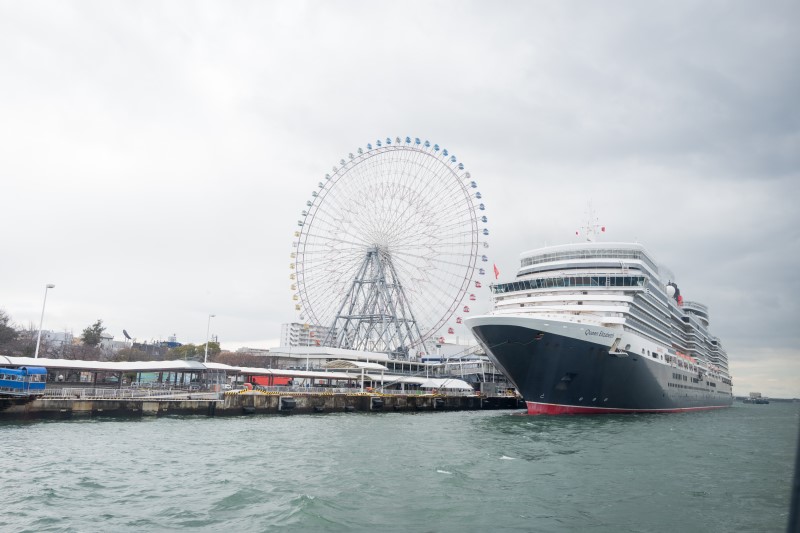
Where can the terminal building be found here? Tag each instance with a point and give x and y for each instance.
(307, 366)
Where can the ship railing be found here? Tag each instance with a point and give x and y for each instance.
(688, 304)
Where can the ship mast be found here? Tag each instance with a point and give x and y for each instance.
(592, 227)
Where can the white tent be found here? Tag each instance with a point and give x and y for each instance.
(446, 384)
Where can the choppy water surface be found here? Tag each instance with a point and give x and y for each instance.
(720, 471)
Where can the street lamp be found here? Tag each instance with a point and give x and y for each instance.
(41, 320)
(208, 328)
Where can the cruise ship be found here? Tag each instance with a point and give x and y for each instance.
(598, 327)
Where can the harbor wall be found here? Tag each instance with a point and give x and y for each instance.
(248, 403)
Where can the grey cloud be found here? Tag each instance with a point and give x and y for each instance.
(160, 154)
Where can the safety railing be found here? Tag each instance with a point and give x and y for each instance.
(357, 390)
(127, 394)
(427, 392)
(315, 390)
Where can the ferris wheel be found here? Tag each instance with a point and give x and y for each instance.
(390, 248)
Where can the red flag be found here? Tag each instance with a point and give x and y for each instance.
(603, 229)
(496, 272)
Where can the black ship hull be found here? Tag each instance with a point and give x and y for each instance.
(560, 374)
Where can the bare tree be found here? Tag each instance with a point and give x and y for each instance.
(242, 359)
(8, 333)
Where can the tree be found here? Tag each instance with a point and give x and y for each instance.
(186, 351)
(93, 334)
(83, 352)
(243, 359)
(131, 354)
(7, 331)
(213, 349)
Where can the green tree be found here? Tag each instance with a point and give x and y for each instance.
(213, 349)
(92, 335)
(186, 351)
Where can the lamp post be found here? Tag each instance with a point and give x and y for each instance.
(208, 328)
(41, 320)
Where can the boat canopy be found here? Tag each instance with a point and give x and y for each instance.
(34, 370)
(447, 384)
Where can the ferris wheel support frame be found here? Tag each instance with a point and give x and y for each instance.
(373, 300)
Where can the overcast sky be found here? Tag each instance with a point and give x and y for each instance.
(155, 156)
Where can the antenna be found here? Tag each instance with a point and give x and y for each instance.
(592, 227)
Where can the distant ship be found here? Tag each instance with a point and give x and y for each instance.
(755, 397)
(600, 327)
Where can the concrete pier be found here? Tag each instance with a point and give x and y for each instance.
(250, 403)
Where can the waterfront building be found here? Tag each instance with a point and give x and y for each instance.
(261, 352)
(295, 334)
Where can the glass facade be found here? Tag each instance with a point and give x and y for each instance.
(571, 281)
(590, 253)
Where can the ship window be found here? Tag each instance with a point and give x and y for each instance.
(642, 351)
(627, 346)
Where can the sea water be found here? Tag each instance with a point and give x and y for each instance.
(726, 470)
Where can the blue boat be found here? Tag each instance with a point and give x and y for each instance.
(22, 382)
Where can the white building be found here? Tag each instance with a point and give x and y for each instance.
(296, 334)
(57, 340)
(109, 345)
(253, 351)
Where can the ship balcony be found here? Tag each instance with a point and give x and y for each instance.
(566, 308)
(581, 298)
(597, 319)
(696, 309)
